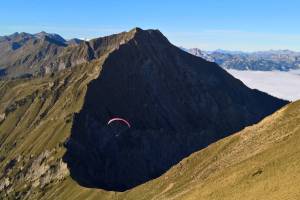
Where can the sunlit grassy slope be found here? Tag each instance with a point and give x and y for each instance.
(259, 162)
(35, 119)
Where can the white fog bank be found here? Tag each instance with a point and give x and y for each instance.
(285, 85)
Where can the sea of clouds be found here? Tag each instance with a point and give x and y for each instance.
(285, 85)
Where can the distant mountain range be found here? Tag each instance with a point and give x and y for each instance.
(283, 60)
(24, 54)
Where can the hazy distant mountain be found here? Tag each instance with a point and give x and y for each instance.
(203, 54)
(53, 36)
(74, 41)
(283, 60)
(24, 54)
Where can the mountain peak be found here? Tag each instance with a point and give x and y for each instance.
(136, 29)
(53, 36)
(150, 37)
(162, 91)
(18, 35)
(74, 41)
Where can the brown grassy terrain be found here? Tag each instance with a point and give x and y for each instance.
(259, 162)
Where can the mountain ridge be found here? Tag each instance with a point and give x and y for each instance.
(162, 91)
(282, 60)
(54, 132)
(14, 61)
(42, 53)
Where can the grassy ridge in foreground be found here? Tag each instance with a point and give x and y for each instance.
(35, 119)
(260, 162)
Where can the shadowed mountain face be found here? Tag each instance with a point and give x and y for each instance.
(176, 103)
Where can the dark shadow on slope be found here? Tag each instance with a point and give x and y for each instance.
(120, 159)
(176, 103)
(2, 72)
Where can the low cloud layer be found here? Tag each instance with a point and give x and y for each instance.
(284, 85)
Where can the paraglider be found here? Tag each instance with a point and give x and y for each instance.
(120, 120)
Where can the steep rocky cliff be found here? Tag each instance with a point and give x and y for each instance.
(176, 103)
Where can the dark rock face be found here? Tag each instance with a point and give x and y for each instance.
(2, 72)
(176, 103)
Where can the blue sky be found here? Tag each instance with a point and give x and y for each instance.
(211, 24)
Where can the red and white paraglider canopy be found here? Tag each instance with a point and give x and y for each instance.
(120, 120)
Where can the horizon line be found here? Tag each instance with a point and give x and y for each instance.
(110, 31)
